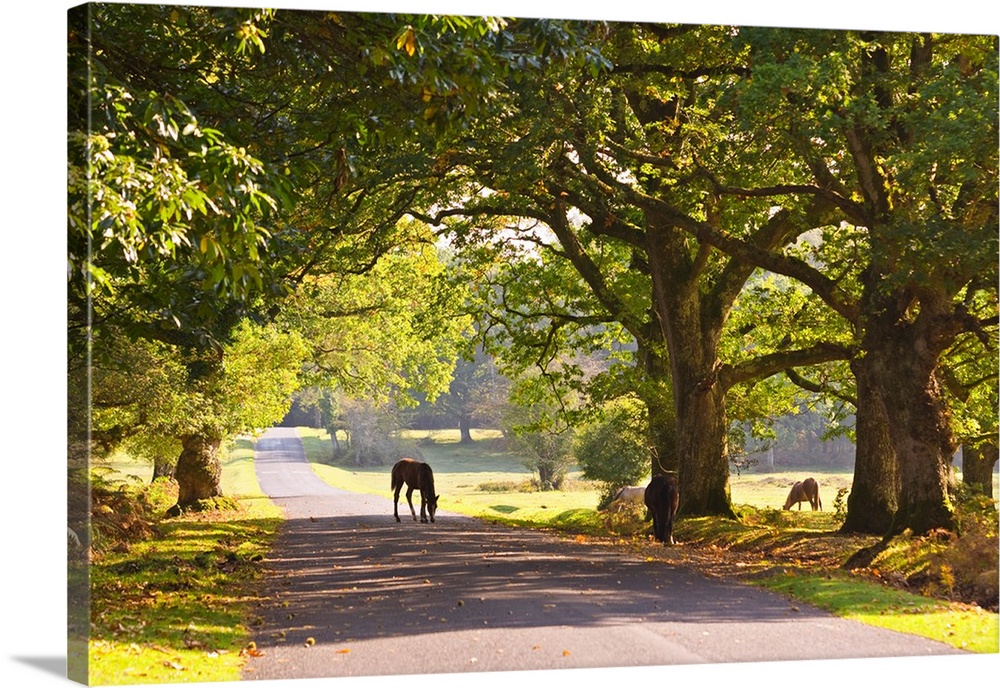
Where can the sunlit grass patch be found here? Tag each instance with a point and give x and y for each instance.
(967, 628)
(174, 607)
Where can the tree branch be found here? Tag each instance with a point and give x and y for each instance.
(772, 364)
(817, 388)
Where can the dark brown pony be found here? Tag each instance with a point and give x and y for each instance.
(661, 498)
(417, 476)
(804, 491)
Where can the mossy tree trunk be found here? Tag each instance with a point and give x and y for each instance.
(198, 471)
(657, 396)
(904, 344)
(874, 494)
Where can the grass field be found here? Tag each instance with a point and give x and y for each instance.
(462, 472)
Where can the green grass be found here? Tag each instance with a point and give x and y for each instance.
(803, 545)
(173, 608)
(970, 628)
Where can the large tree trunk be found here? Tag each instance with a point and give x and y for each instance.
(874, 495)
(977, 466)
(655, 392)
(704, 465)
(904, 355)
(198, 471)
(692, 338)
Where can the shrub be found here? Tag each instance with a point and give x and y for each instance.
(124, 512)
(840, 504)
(614, 451)
(967, 566)
(625, 518)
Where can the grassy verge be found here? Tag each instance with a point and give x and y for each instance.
(797, 553)
(968, 628)
(170, 605)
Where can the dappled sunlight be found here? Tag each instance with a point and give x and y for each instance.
(406, 575)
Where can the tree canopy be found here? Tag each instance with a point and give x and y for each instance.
(723, 211)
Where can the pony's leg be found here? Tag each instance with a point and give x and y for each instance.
(423, 508)
(395, 504)
(409, 500)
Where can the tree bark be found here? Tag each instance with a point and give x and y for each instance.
(198, 471)
(977, 466)
(874, 495)
(692, 338)
(904, 352)
(655, 392)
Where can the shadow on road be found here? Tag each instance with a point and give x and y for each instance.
(356, 577)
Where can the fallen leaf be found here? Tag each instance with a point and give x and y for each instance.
(310, 642)
(343, 651)
(566, 653)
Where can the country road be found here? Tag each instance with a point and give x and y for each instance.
(350, 592)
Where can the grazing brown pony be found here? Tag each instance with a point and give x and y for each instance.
(417, 476)
(804, 491)
(661, 498)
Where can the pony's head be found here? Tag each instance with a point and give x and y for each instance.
(432, 506)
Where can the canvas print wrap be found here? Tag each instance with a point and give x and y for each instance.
(409, 344)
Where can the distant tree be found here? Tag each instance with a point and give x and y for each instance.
(373, 433)
(536, 429)
(476, 391)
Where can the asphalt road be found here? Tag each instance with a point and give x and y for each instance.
(350, 592)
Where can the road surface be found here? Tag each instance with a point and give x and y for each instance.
(350, 592)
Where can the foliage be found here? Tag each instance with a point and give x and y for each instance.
(123, 512)
(534, 425)
(547, 452)
(262, 365)
(613, 450)
(137, 390)
(768, 197)
(373, 434)
(388, 334)
(840, 504)
(962, 569)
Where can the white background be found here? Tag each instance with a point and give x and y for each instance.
(32, 333)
